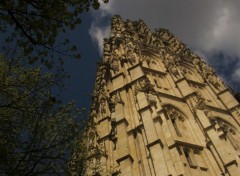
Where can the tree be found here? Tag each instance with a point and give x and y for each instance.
(35, 25)
(77, 165)
(37, 132)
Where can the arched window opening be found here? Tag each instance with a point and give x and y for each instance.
(187, 153)
(176, 127)
(180, 123)
(177, 119)
(230, 134)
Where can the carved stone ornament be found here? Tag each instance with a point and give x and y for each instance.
(145, 85)
(111, 106)
(174, 114)
(129, 25)
(113, 132)
(129, 47)
(91, 138)
(113, 101)
(115, 65)
(201, 105)
(196, 62)
(169, 61)
(148, 36)
(103, 105)
(175, 71)
(131, 57)
(144, 82)
(107, 46)
(117, 99)
(117, 26)
(214, 81)
(152, 99)
(198, 101)
(137, 88)
(230, 133)
(187, 73)
(142, 27)
(146, 59)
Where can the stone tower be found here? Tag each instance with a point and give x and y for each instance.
(159, 109)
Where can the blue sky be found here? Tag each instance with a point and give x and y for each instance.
(209, 28)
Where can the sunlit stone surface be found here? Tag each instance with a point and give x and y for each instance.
(159, 109)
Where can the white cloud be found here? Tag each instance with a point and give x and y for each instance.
(99, 31)
(98, 34)
(206, 26)
(236, 74)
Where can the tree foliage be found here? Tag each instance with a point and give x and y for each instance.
(78, 163)
(37, 132)
(35, 25)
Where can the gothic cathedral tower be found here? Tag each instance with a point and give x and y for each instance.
(159, 110)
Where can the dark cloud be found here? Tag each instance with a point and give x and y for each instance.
(207, 27)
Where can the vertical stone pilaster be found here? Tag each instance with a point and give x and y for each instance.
(142, 150)
(154, 144)
(126, 165)
(125, 160)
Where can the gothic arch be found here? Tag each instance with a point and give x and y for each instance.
(229, 132)
(190, 72)
(180, 122)
(225, 118)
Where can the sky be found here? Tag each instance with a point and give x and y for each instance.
(210, 28)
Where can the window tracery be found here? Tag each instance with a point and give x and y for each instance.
(230, 133)
(177, 120)
(181, 125)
